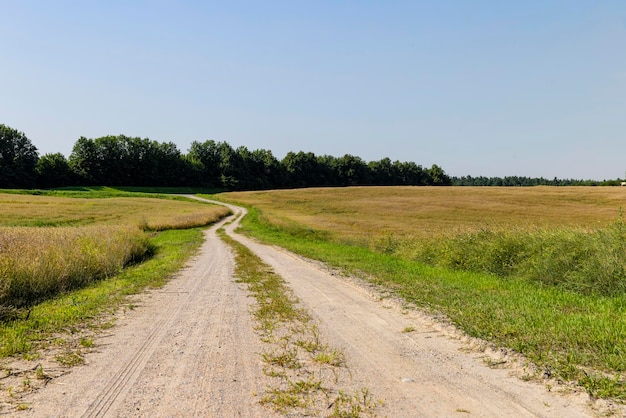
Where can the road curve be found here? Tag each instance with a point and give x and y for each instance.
(424, 373)
(189, 349)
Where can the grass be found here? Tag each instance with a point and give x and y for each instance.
(361, 214)
(294, 345)
(581, 260)
(98, 192)
(84, 307)
(104, 247)
(84, 209)
(36, 263)
(52, 244)
(576, 334)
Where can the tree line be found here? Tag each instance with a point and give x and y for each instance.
(140, 162)
(520, 181)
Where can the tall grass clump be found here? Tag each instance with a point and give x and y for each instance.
(36, 263)
(580, 260)
(197, 219)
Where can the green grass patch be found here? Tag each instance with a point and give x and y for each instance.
(577, 336)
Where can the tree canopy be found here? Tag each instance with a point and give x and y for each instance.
(131, 161)
(18, 159)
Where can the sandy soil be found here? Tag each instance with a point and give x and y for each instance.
(189, 349)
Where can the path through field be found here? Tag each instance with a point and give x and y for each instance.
(190, 350)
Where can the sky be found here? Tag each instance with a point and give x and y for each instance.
(531, 88)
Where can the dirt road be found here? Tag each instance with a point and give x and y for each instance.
(189, 349)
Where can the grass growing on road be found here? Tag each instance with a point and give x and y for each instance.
(570, 335)
(309, 371)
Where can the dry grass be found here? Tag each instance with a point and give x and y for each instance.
(49, 245)
(153, 214)
(357, 213)
(39, 262)
(562, 250)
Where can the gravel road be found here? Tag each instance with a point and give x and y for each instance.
(189, 349)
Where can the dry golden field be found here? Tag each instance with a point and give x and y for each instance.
(52, 244)
(155, 214)
(361, 212)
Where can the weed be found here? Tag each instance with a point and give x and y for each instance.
(285, 359)
(331, 357)
(39, 373)
(309, 339)
(70, 358)
(346, 406)
(86, 342)
(408, 329)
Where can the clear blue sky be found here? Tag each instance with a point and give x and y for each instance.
(494, 88)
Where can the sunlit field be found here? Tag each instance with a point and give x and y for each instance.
(50, 245)
(539, 270)
(365, 212)
(148, 213)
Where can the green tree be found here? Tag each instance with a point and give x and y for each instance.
(438, 176)
(127, 161)
(18, 158)
(205, 156)
(351, 171)
(261, 170)
(53, 170)
(86, 162)
(231, 167)
(302, 169)
(383, 172)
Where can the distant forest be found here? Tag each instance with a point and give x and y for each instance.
(141, 162)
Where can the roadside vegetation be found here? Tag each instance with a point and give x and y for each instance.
(310, 374)
(37, 263)
(64, 260)
(540, 271)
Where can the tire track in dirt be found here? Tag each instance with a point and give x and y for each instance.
(126, 376)
(187, 349)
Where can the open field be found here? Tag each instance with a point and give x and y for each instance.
(571, 326)
(51, 244)
(145, 212)
(357, 213)
(69, 258)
